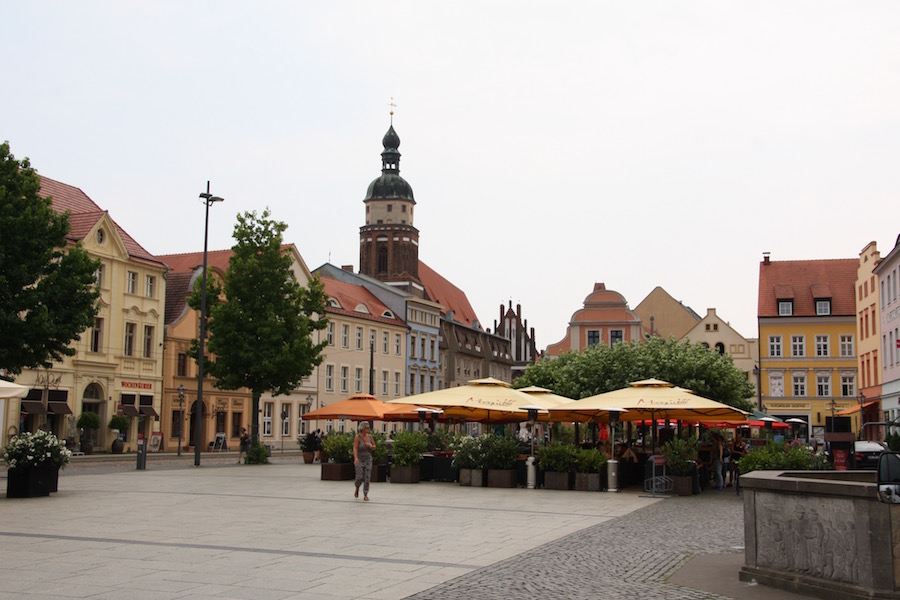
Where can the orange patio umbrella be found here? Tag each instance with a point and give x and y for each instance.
(359, 407)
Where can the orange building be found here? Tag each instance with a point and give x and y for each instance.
(605, 319)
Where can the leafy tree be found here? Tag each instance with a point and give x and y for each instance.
(48, 292)
(261, 333)
(602, 369)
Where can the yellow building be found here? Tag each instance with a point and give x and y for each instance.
(117, 367)
(807, 339)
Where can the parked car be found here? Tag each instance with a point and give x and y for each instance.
(865, 454)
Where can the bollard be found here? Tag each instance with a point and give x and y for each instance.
(612, 476)
(531, 471)
(141, 455)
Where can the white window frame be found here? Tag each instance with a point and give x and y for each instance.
(384, 383)
(775, 346)
(385, 342)
(149, 286)
(359, 338)
(128, 342)
(847, 346)
(286, 423)
(848, 385)
(396, 383)
(823, 385)
(823, 345)
(798, 385)
(798, 346)
(268, 410)
(345, 374)
(131, 282)
(357, 380)
(148, 341)
(785, 308)
(96, 343)
(330, 334)
(345, 336)
(823, 308)
(397, 344)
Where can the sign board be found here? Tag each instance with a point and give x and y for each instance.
(155, 441)
(220, 443)
(840, 459)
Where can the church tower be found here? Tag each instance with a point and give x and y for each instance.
(388, 242)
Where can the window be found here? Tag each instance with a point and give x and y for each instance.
(236, 421)
(412, 383)
(390, 208)
(372, 339)
(181, 366)
(385, 343)
(330, 334)
(847, 345)
(776, 385)
(345, 336)
(775, 345)
(823, 385)
(148, 341)
(821, 345)
(359, 338)
(357, 380)
(785, 308)
(97, 335)
(412, 346)
(176, 423)
(799, 385)
(301, 424)
(129, 339)
(268, 411)
(616, 336)
(149, 286)
(99, 275)
(422, 345)
(131, 283)
(823, 307)
(397, 345)
(848, 385)
(396, 383)
(720, 348)
(593, 337)
(329, 378)
(384, 383)
(433, 350)
(798, 345)
(285, 420)
(344, 374)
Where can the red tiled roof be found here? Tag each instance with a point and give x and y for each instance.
(804, 280)
(349, 296)
(451, 297)
(188, 262)
(178, 285)
(84, 214)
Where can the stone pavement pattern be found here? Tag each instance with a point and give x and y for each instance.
(277, 531)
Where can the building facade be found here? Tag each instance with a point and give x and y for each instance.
(522, 346)
(868, 330)
(604, 319)
(716, 334)
(117, 366)
(887, 273)
(664, 316)
(807, 332)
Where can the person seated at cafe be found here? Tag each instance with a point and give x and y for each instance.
(626, 452)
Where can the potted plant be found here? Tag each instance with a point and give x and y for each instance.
(589, 464)
(339, 447)
(406, 453)
(118, 423)
(33, 462)
(500, 454)
(468, 457)
(309, 445)
(437, 462)
(557, 460)
(681, 461)
(88, 422)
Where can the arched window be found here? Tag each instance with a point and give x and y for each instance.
(382, 260)
(720, 348)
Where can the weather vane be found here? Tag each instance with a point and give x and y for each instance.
(393, 106)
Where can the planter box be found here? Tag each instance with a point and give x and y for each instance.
(338, 472)
(465, 477)
(379, 473)
(309, 457)
(478, 477)
(444, 470)
(683, 485)
(588, 482)
(406, 474)
(555, 480)
(501, 478)
(31, 483)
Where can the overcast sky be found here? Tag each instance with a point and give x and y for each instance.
(550, 145)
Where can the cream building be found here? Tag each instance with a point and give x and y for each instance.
(117, 367)
(716, 334)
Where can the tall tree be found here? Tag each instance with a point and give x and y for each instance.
(261, 333)
(602, 369)
(48, 291)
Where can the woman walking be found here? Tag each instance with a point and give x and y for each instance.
(363, 445)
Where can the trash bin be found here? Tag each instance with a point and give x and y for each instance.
(141, 455)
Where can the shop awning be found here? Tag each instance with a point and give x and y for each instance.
(59, 408)
(149, 411)
(33, 407)
(129, 410)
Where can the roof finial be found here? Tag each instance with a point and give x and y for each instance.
(393, 106)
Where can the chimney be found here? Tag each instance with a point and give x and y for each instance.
(347, 268)
(766, 260)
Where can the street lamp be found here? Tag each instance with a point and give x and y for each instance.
(758, 373)
(208, 200)
(861, 399)
(284, 418)
(180, 414)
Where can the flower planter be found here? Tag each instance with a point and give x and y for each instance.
(501, 478)
(556, 480)
(588, 482)
(379, 473)
(338, 471)
(31, 483)
(477, 477)
(444, 470)
(465, 477)
(309, 457)
(683, 485)
(405, 474)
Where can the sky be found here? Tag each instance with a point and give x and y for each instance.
(550, 145)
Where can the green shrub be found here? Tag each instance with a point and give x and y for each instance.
(468, 453)
(438, 440)
(681, 455)
(779, 456)
(500, 452)
(339, 447)
(893, 442)
(120, 422)
(88, 420)
(589, 460)
(556, 457)
(309, 442)
(407, 449)
(257, 454)
(379, 454)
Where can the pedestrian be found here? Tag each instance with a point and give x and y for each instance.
(244, 443)
(318, 445)
(363, 445)
(738, 450)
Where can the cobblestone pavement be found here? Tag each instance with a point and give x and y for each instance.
(630, 557)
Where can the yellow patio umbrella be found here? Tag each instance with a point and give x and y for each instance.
(487, 400)
(648, 399)
(545, 399)
(8, 389)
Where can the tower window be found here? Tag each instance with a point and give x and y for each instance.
(403, 208)
(382, 260)
(390, 207)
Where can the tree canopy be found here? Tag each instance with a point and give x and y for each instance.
(602, 369)
(48, 291)
(261, 334)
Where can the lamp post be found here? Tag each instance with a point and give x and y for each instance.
(861, 399)
(180, 415)
(208, 200)
(530, 470)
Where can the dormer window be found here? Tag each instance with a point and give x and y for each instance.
(823, 307)
(387, 314)
(334, 303)
(785, 308)
(361, 308)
